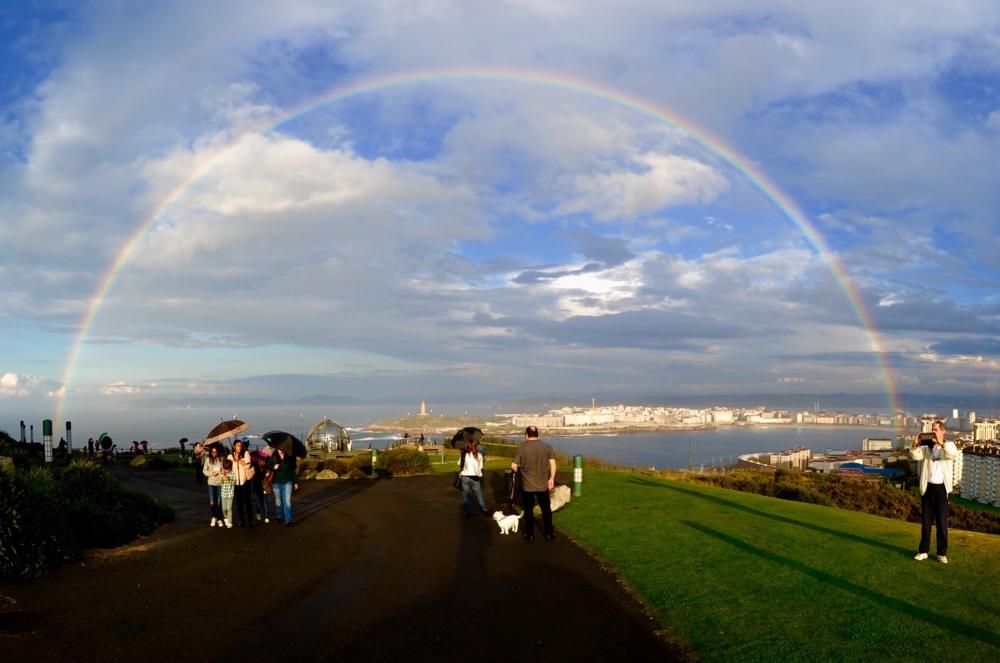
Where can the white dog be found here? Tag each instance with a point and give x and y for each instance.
(506, 523)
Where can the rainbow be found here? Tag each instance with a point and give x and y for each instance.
(555, 80)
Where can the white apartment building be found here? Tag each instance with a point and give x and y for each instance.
(589, 418)
(876, 444)
(981, 474)
(722, 417)
(796, 459)
(986, 430)
(539, 420)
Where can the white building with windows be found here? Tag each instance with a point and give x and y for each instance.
(986, 430)
(981, 474)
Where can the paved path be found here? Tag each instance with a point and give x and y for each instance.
(376, 570)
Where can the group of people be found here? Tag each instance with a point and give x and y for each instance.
(242, 483)
(534, 472)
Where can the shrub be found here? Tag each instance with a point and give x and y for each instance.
(33, 531)
(403, 460)
(101, 512)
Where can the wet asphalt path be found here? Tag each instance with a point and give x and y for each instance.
(383, 570)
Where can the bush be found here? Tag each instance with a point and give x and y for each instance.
(101, 512)
(403, 460)
(33, 531)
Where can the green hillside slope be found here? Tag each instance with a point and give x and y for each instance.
(747, 578)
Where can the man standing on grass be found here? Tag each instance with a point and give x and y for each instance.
(536, 462)
(935, 456)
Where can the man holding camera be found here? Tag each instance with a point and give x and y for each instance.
(935, 456)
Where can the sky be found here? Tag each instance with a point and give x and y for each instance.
(231, 203)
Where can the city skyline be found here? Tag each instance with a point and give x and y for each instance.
(241, 203)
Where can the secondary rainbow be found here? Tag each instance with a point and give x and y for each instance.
(556, 80)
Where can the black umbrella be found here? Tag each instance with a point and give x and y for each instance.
(226, 429)
(288, 443)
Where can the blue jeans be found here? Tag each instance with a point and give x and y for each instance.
(260, 503)
(473, 486)
(215, 501)
(283, 500)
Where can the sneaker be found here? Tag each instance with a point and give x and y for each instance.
(266, 520)
(920, 557)
(550, 537)
(229, 523)
(942, 559)
(212, 524)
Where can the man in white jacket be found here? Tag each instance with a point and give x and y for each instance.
(935, 456)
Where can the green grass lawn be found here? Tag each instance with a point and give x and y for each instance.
(742, 577)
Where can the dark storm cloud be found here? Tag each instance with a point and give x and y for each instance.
(657, 330)
(609, 251)
(978, 347)
(534, 276)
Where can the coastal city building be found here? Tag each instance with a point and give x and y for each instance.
(986, 430)
(981, 474)
(792, 459)
(665, 417)
(876, 444)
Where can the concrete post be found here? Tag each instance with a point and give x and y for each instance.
(577, 476)
(47, 439)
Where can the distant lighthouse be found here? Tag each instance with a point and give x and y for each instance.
(423, 409)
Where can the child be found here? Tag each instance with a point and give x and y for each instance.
(228, 482)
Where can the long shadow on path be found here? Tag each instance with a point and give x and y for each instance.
(426, 584)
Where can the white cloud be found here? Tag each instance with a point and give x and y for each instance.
(664, 180)
(993, 121)
(19, 385)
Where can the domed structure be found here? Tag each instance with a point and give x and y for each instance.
(328, 437)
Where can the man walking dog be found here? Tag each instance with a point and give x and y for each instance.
(536, 462)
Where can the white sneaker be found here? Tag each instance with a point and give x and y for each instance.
(229, 523)
(266, 520)
(942, 559)
(920, 557)
(212, 524)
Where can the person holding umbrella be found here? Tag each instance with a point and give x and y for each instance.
(283, 467)
(212, 468)
(242, 473)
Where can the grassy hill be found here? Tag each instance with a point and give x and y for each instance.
(742, 577)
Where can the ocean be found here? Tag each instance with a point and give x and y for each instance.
(709, 448)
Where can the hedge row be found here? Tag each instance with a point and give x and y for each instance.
(47, 517)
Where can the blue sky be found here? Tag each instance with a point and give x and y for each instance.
(487, 239)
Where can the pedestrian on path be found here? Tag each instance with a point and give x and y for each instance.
(536, 461)
(227, 484)
(284, 483)
(242, 472)
(212, 469)
(936, 473)
(470, 471)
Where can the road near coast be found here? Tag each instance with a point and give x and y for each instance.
(373, 570)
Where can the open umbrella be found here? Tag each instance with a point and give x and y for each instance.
(226, 429)
(287, 442)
